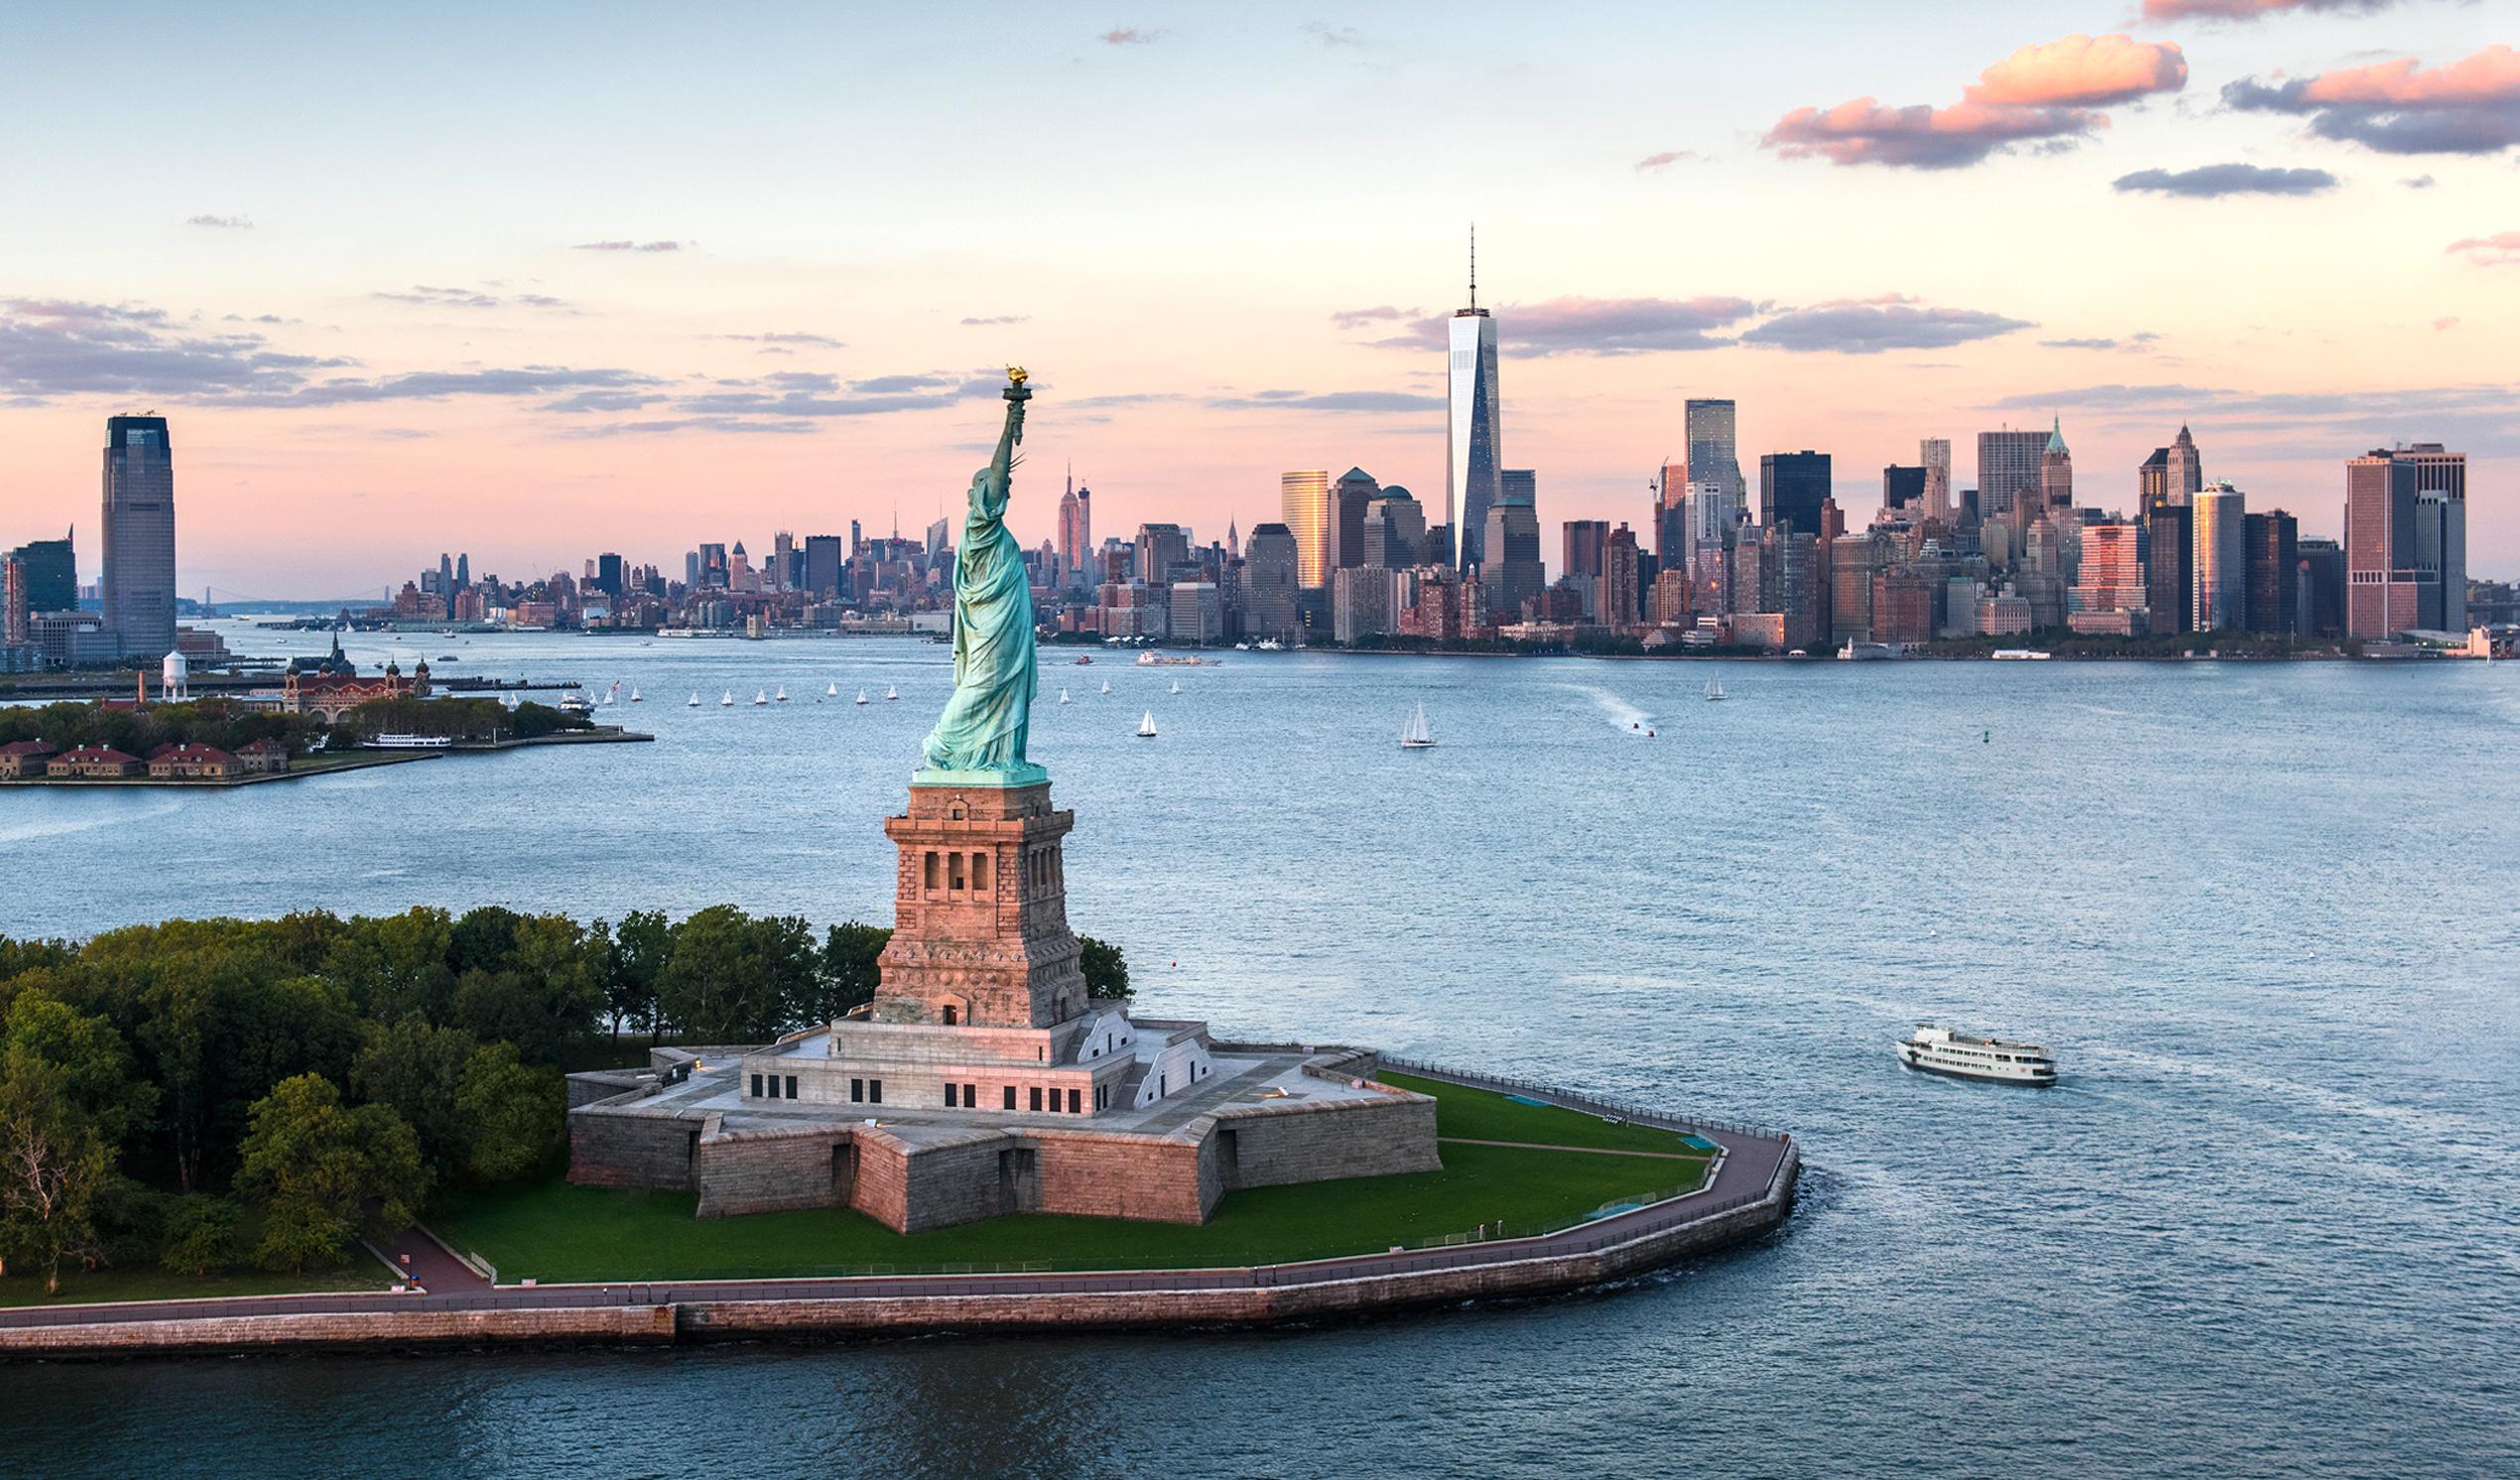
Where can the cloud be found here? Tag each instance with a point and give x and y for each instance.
(631, 246)
(2207, 182)
(818, 341)
(690, 424)
(2248, 10)
(467, 298)
(601, 401)
(2470, 106)
(1334, 36)
(1668, 158)
(2078, 344)
(996, 318)
(2449, 322)
(1871, 325)
(221, 224)
(1350, 318)
(56, 347)
(2502, 249)
(2044, 94)
(1623, 325)
(1349, 401)
(1132, 36)
(2417, 181)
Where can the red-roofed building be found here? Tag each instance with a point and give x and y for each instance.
(23, 758)
(262, 758)
(189, 761)
(96, 762)
(333, 695)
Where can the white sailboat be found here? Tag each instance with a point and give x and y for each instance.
(1063, 697)
(1107, 686)
(833, 691)
(1715, 688)
(1177, 685)
(1417, 735)
(635, 696)
(760, 697)
(782, 696)
(695, 702)
(861, 695)
(891, 692)
(1145, 726)
(726, 700)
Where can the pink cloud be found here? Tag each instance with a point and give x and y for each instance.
(2047, 92)
(2470, 106)
(2492, 75)
(2502, 249)
(2246, 10)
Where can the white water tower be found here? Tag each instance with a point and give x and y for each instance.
(170, 678)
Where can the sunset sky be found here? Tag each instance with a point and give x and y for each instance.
(536, 282)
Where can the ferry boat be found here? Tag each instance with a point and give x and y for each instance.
(1419, 735)
(1939, 1050)
(412, 742)
(575, 704)
(1170, 660)
(1856, 652)
(2021, 654)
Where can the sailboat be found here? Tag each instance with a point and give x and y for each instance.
(1063, 697)
(783, 693)
(861, 695)
(891, 692)
(1417, 735)
(760, 697)
(695, 702)
(1107, 686)
(1177, 685)
(726, 700)
(1145, 726)
(831, 692)
(1715, 688)
(635, 696)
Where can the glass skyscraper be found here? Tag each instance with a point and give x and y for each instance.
(139, 528)
(2221, 558)
(1304, 503)
(1471, 448)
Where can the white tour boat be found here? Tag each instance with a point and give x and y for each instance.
(412, 742)
(575, 704)
(1174, 660)
(1145, 726)
(1417, 735)
(1939, 1050)
(2021, 654)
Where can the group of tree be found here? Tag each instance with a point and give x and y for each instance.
(217, 1093)
(476, 719)
(137, 731)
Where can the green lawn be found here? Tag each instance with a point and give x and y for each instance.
(1480, 1115)
(559, 1232)
(151, 1283)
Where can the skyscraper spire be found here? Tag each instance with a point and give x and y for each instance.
(1474, 264)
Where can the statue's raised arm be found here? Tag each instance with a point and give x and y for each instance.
(982, 734)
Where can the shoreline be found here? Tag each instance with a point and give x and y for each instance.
(345, 760)
(1751, 1195)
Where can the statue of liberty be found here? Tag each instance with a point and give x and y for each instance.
(980, 736)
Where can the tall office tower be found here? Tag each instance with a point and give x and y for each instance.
(1621, 600)
(1583, 540)
(2323, 585)
(446, 575)
(1854, 560)
(1075, 526)
(2185, 467)
(1670, 514)
(1473, 447)
(1303, 500)
(1713, 454)
(1512, 574)
(939, 538)
(823, 560)
(1160, 547)
(739, 577)
(2222, 554)
(1233, 540)
(1395, 531)
(45, 577)
(2441, 531)
(2111, 587)
(139, 581)
(783, 558)
(464, 570)
(2056, 475)
(713, 567)
(1935, 453)
(856, 540)
(608, 573)
(2169, 566)
(1355, 490)
(2406, 536)
(1269, 582)
(2270, 545)
(1792, 486)
(2008, 474)
(1903, 491)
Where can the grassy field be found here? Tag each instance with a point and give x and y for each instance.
(559, 1232)
(150, 1282)
(1479, 1115)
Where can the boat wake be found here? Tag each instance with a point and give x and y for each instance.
(1623, 716)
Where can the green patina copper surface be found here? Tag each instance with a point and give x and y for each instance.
(979, 739)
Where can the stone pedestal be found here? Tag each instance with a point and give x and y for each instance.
(981, 933)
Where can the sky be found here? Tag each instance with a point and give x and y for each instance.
(537, 281)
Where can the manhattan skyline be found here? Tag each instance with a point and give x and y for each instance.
(541, 283)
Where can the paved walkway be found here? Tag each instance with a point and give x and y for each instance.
(1591, 1151)
(1749, 1172)
(416, 1253)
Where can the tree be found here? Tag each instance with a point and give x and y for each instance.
(414, 1070)
(851, 957)
(1107, 970)
(514, 1116)
(397, 964)
(483, 939)
(52, 1167)
(202, 1234)
(641, 945)
(322, 1172)
(732, 978)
